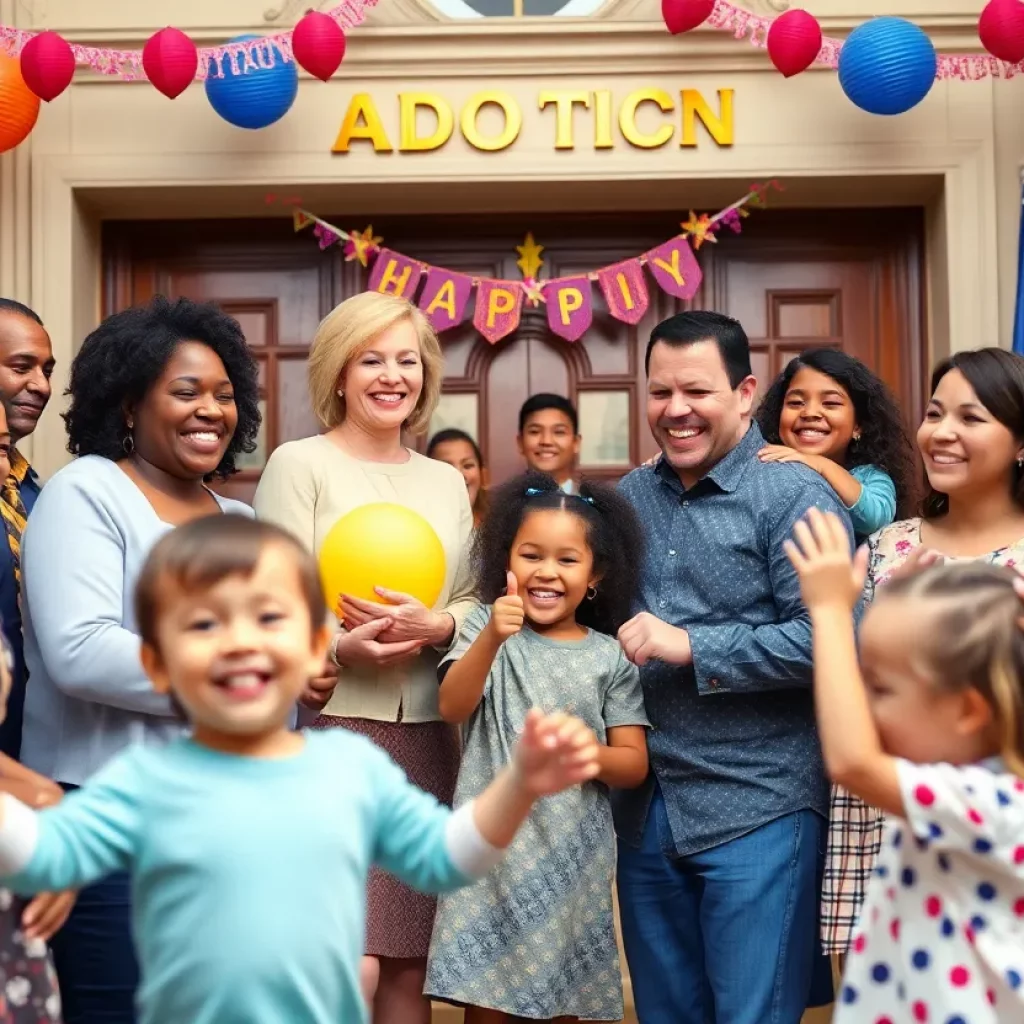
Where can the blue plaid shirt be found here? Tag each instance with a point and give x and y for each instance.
(734, 743)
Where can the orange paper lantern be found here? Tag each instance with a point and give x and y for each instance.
(19, 105)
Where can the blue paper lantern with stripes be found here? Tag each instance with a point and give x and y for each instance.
(887, 65)
(261, 93)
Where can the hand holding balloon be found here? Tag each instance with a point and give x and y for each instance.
(409, 618)
(362, 646)
(508, 614)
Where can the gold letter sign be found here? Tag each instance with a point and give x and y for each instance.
(645, 118)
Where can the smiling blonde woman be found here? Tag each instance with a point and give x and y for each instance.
(375, 369)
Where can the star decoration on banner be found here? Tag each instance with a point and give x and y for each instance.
(360, 244)
(534, 293)
(530, 260)
(700, 229)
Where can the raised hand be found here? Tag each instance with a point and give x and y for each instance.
(508, 614)
(820, 553)
(554, 752)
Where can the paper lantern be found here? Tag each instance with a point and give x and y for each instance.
(19, 105)
(318, 44)
(887, 65)
(48, 65)
(258, 95)
(381, 545)
(794, 40)
(170, 60)
(683, 15)
(1001, 29)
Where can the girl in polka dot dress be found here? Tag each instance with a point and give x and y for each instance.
(930, 728)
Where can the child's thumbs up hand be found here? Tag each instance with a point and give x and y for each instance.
(508, 614)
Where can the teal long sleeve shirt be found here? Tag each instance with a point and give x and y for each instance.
(248, 875)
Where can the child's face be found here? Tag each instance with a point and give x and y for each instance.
(818, 417)
(460, 454)
(916, 718)
(553, 565)
(549, 444)
(238, 655)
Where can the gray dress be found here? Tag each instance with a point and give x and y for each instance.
(536, 937)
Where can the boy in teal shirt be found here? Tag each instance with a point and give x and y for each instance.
(250, 844)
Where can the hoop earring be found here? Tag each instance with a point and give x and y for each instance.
(128, 444)
(591, 593)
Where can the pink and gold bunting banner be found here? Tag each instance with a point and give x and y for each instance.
(675, 268)
(570, 310)
(444, 297)
(395, 274)
(445, 294)
(498, 307)
(625, 290)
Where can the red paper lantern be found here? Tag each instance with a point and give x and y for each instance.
(19, 105)
(683, 15)
(794, 40)
(170, 60)
(48, 65)
(1001, 30)
(318, 44)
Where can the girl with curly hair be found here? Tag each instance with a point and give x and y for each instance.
(830, 412)
(163, 400)
(557, 575)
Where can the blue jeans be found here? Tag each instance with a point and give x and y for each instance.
(725, 936)
(94, 955)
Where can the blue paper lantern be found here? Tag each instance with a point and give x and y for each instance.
(887, 65)
(256, 96)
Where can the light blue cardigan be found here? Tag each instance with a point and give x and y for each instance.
(83, 549)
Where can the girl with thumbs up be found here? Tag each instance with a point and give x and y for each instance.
(557, 577)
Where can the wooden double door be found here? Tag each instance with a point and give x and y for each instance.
(794, 279)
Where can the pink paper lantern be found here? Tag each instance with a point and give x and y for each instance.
(794, 40)
(170, 60)
(684, 15)
(1001, 29)
(47, 65)
(318, 44)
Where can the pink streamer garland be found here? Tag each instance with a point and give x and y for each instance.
(127, 64)
(971, 67)
(726, 17)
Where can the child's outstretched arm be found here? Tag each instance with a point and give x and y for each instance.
(433, 849)
(831, 586)
(464, 680)
(90, 834)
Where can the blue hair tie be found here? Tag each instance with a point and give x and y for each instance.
(532, 492)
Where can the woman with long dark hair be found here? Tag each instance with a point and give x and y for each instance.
(972, 443)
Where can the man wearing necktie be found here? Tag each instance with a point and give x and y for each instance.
(26, 364)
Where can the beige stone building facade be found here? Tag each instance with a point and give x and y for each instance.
(895, 237)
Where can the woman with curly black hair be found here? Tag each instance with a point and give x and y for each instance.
(163, 399)
(558, 575)
(830, 412)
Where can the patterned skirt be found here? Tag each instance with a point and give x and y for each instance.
(28, 986)
(854, 840)
(399, 921)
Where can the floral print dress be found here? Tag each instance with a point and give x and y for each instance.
(855, 829)
(28, 987)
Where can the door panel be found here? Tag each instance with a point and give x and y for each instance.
(794, 279)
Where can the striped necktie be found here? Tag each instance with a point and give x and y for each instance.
(12, 508)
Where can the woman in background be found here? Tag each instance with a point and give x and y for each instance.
(458, 449)
(163, 400)
(972, 443)
(375, 369)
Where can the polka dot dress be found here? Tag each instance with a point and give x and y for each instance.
(941, 937)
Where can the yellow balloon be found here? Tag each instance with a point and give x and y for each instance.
(382, 545)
